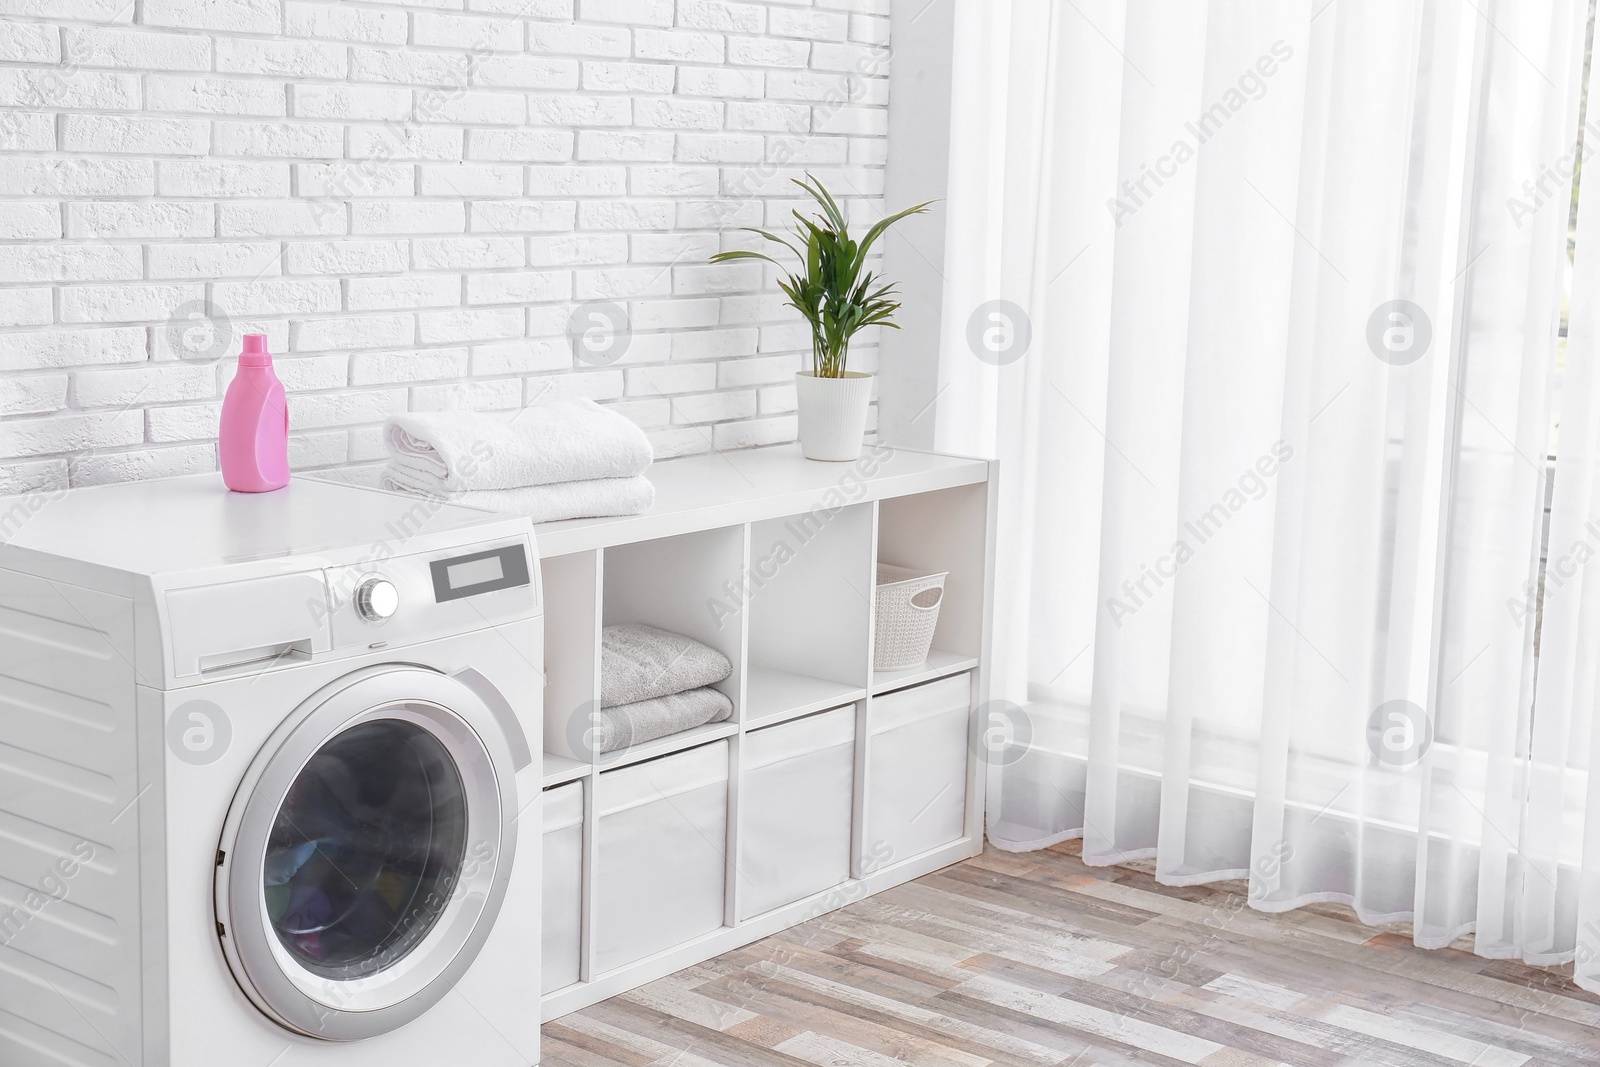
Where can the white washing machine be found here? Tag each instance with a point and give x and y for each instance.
(267, 795)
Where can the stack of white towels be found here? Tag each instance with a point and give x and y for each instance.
(654, 683)
(560, 459)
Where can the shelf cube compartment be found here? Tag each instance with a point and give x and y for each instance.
(563, 886)
(795, 810)
(810, 599)
(934, 533)
(689, 585)
(917, 749)
(661, 842)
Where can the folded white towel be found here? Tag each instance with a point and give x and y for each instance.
(567, 440)
(592, 499)
(639, 662)
(646, 720)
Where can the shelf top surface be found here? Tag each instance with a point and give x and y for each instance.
(725, 488)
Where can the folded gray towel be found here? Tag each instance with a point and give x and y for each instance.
(646, 720)
(639, 662)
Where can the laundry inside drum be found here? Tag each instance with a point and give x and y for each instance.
(366, 850)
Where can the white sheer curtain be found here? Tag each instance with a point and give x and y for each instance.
(1273, 462)
(1563, 817)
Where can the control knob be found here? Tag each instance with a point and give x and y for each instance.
(376, 598)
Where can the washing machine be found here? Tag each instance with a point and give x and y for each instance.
(267, 793)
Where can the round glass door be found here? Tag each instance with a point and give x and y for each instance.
(367, 853)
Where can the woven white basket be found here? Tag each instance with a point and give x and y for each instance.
(907, 612)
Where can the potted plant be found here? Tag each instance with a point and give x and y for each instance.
(836, 294)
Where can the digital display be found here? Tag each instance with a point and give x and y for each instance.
(475, 572)
(480, 572)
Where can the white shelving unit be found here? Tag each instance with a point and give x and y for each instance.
(769, 558)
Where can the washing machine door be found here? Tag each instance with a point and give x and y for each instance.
(367, 852)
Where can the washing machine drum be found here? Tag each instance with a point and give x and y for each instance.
(367, 853)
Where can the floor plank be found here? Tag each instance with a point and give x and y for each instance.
(1038, 960)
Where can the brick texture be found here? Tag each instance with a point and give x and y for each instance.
(425, 206)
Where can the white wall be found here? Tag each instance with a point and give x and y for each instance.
(918, 170)
(410, 199)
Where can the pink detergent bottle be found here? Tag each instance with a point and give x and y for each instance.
(253, 442)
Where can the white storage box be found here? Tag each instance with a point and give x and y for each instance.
(563, 885)
(917, 770)
(659, 854)
(794, 806)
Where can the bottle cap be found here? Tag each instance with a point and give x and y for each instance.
(255, 352)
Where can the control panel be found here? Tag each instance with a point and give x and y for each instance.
(414, 597)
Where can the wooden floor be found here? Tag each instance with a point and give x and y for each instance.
(1037, 959)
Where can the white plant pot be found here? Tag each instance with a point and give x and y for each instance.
(833, 414)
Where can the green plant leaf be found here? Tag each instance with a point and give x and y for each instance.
(728, 257)
(775, 239)
(831, 290)
(882, 226)
(821, 195)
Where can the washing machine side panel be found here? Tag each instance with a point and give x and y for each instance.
(70, 848)
(152, 815)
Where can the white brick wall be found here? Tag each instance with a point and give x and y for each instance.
(414, 201)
